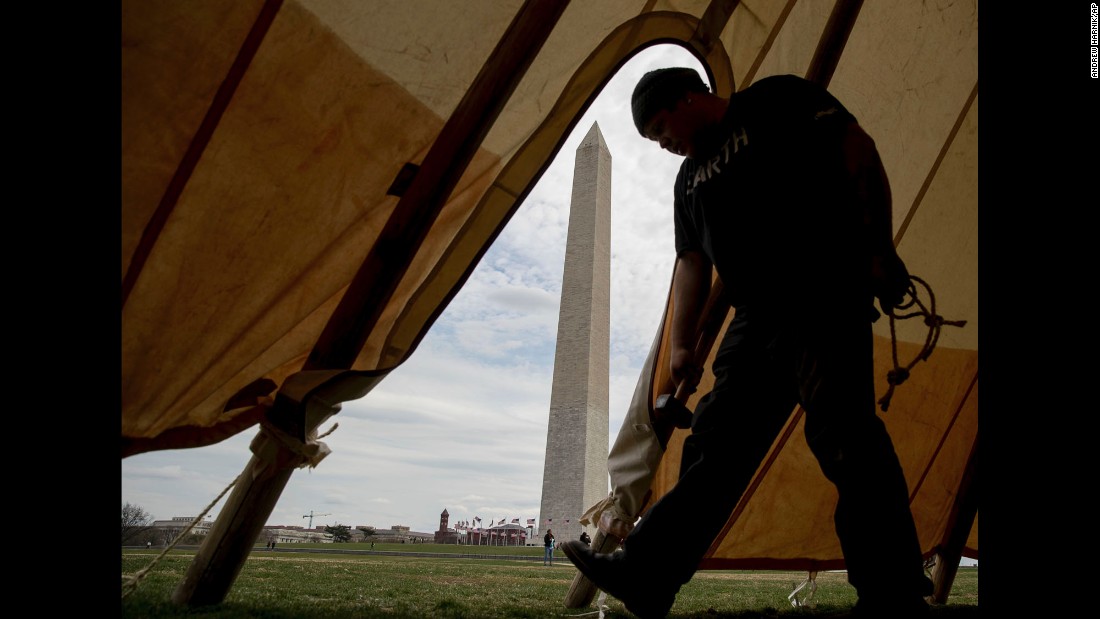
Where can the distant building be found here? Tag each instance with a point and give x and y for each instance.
(397, 534)
(292, 534)
(463, 533)
(169, 530)
(509, 534)
(445, 534)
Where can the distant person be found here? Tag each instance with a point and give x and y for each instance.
(584, 538)
(372, 545)
(148, 545)
(548, 547)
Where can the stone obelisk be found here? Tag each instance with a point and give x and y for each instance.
(575, 472)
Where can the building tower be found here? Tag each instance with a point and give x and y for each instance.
(444, 535)
(575, 471)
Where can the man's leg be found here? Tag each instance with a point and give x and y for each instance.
(733, 428)
(873, 521)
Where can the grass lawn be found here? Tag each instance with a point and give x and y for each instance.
(278, 585)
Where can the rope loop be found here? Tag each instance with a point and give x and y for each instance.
(931, 319)
(897, 376)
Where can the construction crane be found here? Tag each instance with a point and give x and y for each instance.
(310, 515)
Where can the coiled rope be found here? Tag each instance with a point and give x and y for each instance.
(932, 320)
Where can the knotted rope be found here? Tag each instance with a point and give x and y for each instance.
(934, 321)
(294, 453)
(804, 593)
(129, 584)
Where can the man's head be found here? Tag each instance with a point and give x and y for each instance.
(662, 89)
(673, 107)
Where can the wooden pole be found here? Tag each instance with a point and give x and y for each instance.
(238, 526)
(961, 521)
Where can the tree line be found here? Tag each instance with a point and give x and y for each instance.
(138, 530)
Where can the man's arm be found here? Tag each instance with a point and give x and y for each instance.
(889, 277)
(690, 287)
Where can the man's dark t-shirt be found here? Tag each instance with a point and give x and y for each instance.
(771, 208)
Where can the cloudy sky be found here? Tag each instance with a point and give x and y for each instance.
(462, 424)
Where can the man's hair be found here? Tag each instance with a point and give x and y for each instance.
(660, 89)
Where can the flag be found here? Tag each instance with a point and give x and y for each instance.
(530, 521)
(515, 520)
(501, 521)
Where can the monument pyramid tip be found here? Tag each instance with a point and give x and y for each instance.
(595, 135)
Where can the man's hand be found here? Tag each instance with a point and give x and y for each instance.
(889, 280)
(685, 372)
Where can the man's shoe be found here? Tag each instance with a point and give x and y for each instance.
(896, 605)
(610, 573)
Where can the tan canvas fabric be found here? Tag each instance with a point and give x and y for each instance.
(260, 140)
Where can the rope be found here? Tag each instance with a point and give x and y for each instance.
(929, 565)
(301, 454)
(601, 607)
(309, 454)
(330, 431)
(129, 585)
(799, 601)
(934, 321)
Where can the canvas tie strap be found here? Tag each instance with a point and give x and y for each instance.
(804, 592)
(934, 321)
(609, 517)
(317, 396)
(929, 566)
(296, 453)
(593, 513)
(601, 607)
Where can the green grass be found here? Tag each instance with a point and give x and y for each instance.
(275, 585)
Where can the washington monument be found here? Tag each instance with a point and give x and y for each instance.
(575, 471)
